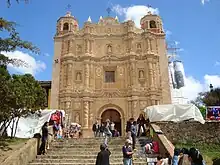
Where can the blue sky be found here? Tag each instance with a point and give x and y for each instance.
(195, 25)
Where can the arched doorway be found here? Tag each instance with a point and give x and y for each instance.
(114, 116)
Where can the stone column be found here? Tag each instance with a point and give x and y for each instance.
(91, 115)
(129, 109)
(69, 75)
(148, 45)
(86, 46)
(64, 75)
(86, 114)
(154, 75)
(68, 111)
(91, 46)
(134, 108)
(86, 75)
(133, 73)
(151, 80)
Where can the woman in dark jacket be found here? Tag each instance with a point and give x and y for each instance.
(103, 155)
(44, 138)
(141, 121)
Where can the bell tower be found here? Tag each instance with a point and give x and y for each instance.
(152, 22)
(67, 24)
(153, 34)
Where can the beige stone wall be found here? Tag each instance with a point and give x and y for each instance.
(23, 155)
(137, 56)
(55, 86)
(191, 132)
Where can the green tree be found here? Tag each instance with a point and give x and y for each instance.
(12, 42)
(5, 98)
(28, 97)
(212, 98)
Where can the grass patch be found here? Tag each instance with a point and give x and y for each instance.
(208, 151)
(7, 143)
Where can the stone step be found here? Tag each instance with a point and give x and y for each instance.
(76, 153)
(83, 156)
(71, 156)
(77, 163)
(86, 146)
(81, 160)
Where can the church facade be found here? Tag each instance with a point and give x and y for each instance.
(109, 70)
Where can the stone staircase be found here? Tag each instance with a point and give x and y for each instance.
(84, 152)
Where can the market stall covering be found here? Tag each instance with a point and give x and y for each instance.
(174, 113)
(31, 125)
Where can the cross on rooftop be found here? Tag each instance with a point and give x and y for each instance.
(68, 7)
(108, 11)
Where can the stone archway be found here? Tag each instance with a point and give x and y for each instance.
(112, 108)
(114, 116)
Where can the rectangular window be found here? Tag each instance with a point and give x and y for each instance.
(109, 76)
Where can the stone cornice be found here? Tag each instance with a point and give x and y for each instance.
(89, 58)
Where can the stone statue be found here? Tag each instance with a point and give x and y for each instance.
(78, 76)
(77, 118)
(109, 49)
(141, 74)
(79, 48)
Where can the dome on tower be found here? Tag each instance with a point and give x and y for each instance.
(67, 23)
(152, 22)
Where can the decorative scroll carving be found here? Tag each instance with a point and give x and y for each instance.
(86, 113)
(87, 46)
(67, 106)
(143, 104)
(69, 74)
(121, 71)
(77, 117)
(134, 107)
(79, 49)
(118, 49)
(98, 72)
(77, 105)
(87, 75)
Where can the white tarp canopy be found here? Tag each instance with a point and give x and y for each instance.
(29, 126)
(174, 113)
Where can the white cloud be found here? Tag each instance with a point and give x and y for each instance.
(194, 86)
(46, 54)
(168, 33)
(34, 66)
(204, 1)
(134, 13)
(217, 63)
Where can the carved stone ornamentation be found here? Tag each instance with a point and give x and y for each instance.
(121, 71)
(108, 66)
(98, 72)
(77, 117)
(109, 48)
(79, 49)
(77, 105)
(143, 104)
(86, 114)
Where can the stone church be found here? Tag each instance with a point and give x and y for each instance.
(109, 69)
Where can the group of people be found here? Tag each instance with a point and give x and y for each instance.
(137, 128)
(185, 156)
(105, 129)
